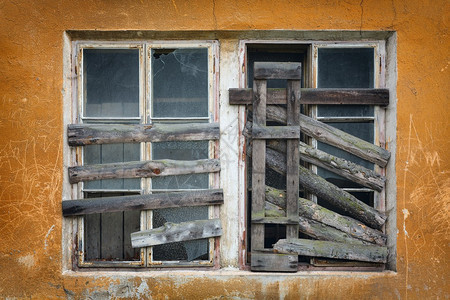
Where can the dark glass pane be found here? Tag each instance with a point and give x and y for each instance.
(180, 82)
(366, 197)
(345, 68)
(184, 251)
(111, 82)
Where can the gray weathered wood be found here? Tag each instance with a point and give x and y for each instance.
(138, 169)
(276, 203)
(258, 165)
(89, 134)
(275, 220)
(369, 253)
(171, 232)
(275, 132)
(333, 136)
(316, 96)
(337, 165)
(142, 202)
(273, 262)
(112, 236)
(292, 157)
(277, 70)
(328, 191)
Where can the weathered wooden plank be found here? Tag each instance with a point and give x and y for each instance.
(276, 220)
(292, 157)
(333, 136)
(142, 202)
(316, 96)
(277, 70)
(112, 236)
(258, 164)
(308, 209)
(138, 169)
(273, 262)
(369, 253)
(337, 165)
(275, 132)
(170, 233)
(328, 191)
(89, 134)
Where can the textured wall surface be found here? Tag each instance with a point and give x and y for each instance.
(31, 146)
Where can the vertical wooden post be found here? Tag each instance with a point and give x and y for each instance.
(258, 164)
(292, 155)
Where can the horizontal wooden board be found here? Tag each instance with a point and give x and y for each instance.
(273, 262)
(142, 169)
(275, 220)
(141, 202)
(277, 70)
(91, 134)
(171, 232)
(369, 253)
(316, 96)
(275, 132)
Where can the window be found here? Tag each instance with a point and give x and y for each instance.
(328, 67)
(161, 85)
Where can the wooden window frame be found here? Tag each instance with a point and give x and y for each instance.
(145, 117)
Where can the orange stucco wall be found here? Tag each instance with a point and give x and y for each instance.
(31, 145)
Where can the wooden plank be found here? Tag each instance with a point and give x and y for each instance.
(170, 233)
(275, 132)
(92, 237)
(112, 236)
(273, 262)
(142, 202)
(139, 169)
(258, 165)
(316, 96)
(313, 211)
(328, 191)
(277, 70)
(333, 136)
(131, 223)
(275, 220)
(292, 157)
(369, 253)
(89, 134)
(337, 165)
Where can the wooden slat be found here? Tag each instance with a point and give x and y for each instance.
(276, 220)
(337, 165)
(277, 70)
(313, 211)
(89, 134)
(138, 169)
(273, 262)
(170, 233)
(142, 202)
(316, 96)
(333, 136)
(369, 253)
(328, 191)
(258, 165)
(275, 132)
(292, 157)
(112, 236)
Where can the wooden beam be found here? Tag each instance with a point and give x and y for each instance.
(337, 165)
(170, 233)
(141, 202)
(308, 209)
(92, 134)
(277, 70)
(369, 253)
(275, 132)
(333, 136)
(139, 169)
(275, 220)
(273, 262)
(328, 191)
(316, 96)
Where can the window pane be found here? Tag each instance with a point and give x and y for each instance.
(181, 151)
(185, 251)
(111, 82)
(345, 68)
(180, 82)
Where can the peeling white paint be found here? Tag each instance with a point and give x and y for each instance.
(46, 236)
(27, 260)
(405, 216)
